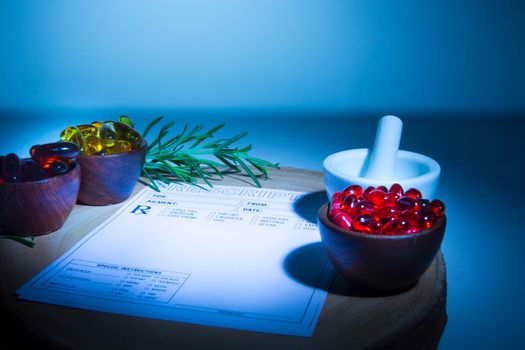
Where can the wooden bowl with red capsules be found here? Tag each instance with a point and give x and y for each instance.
(380, 239)
(37, 194)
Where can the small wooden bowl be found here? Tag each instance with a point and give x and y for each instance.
(110, 179)
(378, 262)
(34, 208)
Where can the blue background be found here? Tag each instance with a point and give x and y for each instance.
(306, 79)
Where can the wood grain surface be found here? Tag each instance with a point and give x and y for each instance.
(350, 319)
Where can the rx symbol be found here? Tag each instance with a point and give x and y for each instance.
(141, 209)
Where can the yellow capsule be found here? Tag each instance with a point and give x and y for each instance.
(126, 120)
(72, 134)
(108, 135)
(92, 145)
(120, 146)
(96, 124)
(127, 133)
(88, 129)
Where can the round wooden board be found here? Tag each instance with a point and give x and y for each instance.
(414, 319)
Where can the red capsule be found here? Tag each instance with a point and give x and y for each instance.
(343, 220)
(349, 205)
(395, 227)
(354, 190)
(423, 204)
(364, 223)
(32, 171)
(54, 151)
(426, 221)
(11, 168)
(365, 207)
(413, 193)
(437, 207)
(382, 188)
(367, 191)
(409, 216)
(396, 190)
(337, 196)
(405, 203)
(58, 167)
(378, 198)
(335, 208)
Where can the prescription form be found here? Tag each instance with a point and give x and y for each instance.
(224, 256)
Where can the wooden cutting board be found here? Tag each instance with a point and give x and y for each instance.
(350, 320)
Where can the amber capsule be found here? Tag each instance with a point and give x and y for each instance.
(108, 135)
(55, 151)
(120, 146)
(72, 134)
(31, 170)
(125, 132)
(11, 168)
(92, 145)
(126, 120)
(88, 129)
(97, 124)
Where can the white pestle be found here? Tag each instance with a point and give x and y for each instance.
(384, 155)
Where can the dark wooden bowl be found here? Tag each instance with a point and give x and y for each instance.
(35, 208)
(378, 262)
(110, 179)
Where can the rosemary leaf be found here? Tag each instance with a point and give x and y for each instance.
(195, 153)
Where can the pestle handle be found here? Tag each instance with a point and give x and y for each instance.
(384, 155)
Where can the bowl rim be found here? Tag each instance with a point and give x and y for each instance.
(434, 167)
(323, 217)
(75, 171)
(143, 145)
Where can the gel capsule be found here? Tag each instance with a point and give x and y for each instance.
(127, 133)
(32, 171)
(335, 208)
(378, 197)
(396, 190)
(120, 146)
(426, 221)
(97, 124)
(11, 168)
(92, 145)
(413, 193)
(349, 205)
(382, 188)
(365, 207)
(354, 190)
(71, 134)
(343, 220)
(367, 191)
(108, 135)
(437, 207)
(55, 151)
(58, 167)
(126, 120)
(364, 223)
(88, 129)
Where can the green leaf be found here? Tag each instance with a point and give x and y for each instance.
(193, 154)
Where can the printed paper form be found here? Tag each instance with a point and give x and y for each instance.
(215, 257)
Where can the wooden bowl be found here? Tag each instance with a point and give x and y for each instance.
(378, 262)
(110, 179)
(34, 208)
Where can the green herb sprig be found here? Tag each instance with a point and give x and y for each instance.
(194, 153)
